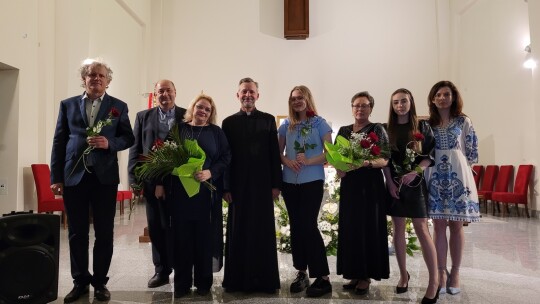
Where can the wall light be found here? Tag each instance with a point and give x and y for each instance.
(529, 63)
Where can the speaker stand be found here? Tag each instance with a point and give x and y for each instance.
(145, 238)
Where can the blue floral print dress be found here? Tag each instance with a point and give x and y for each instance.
(452, 191)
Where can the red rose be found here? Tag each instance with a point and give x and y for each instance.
(375, 150)
(364, 143)
(157, 144)
(373, 137)
(310, 113)
(114, 112)
(418, 136)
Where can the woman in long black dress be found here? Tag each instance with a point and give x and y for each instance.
(412, 147)
(194, 219)
(362, 239)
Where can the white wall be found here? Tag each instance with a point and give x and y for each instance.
(362, 45)
(497, 90)
(47, 41)
(354, 45)
(209, 45)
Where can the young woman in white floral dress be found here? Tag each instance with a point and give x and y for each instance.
(452, 197)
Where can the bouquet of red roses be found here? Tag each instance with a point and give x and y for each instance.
(349, 154)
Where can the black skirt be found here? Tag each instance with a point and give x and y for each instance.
(412, 201)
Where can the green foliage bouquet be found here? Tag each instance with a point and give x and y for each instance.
(177, 157)
(349, 154)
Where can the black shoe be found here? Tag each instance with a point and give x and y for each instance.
(300, 283)
(269, 291)
(404, 289)
(158, 280)
(351, 285)
(203, 291)
(76, 293)
(319, 288)
(362, 291)
(101, 293)
(431, 301)
(178, 293)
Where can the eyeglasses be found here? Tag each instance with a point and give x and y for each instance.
(201, 107)
(361, 106)
(296, 98)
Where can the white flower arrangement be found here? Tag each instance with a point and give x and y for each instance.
(328, 222)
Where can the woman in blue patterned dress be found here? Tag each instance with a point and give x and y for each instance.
(452, 195)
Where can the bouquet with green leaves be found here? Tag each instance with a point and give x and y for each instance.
(349, 154)
(178, 157)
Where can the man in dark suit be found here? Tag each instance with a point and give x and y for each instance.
(90, 182)
(151, 125)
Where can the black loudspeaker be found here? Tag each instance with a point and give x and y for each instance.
(29, 250)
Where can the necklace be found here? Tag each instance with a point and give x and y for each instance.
(200, 131)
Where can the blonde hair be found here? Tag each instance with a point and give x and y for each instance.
(189, 111)
(294, 117)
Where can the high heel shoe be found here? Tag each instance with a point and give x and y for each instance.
(362, 291)
(351, 285)
(404, 289)
(442, 289)
(431, 301)
(449, 289)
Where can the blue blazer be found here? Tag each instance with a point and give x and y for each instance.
(146, 132)
(70, 141)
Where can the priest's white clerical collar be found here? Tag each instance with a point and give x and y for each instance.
(248, 113)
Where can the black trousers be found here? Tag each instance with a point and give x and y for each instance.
(193, 254)
(78, 200)
(159, 231)
(303, 202)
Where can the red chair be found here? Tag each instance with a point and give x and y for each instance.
(46, 200)
(488, 180)
(502, 184)
(478, 170)
(520, 194)
(122, 195)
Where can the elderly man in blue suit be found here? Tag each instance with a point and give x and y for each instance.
(151, 125)
(90, 182)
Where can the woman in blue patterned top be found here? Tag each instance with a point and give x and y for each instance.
(302, 136)
(452, 192)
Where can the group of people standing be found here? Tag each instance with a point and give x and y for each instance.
(250, 162)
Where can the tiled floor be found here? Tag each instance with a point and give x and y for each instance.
(500, 265)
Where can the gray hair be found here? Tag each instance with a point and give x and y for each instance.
(89, 64)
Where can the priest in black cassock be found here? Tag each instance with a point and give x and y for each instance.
(251, 185)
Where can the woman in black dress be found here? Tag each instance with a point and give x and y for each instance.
(362, 239)
(411, 145)
(196, 252)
